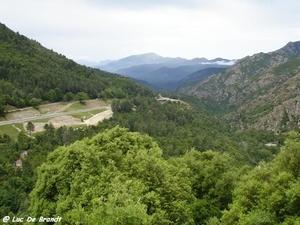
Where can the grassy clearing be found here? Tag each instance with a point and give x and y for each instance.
(7, 129)
(20, 126)
(75, 106)
(11, 130)
(87, 115)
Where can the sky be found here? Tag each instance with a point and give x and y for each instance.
(96, 30)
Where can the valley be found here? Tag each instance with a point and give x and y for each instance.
(219, 146)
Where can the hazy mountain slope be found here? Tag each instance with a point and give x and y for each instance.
(28, 72)
(138, 71)
(166, 74)
(198, 76)
(261, 91)
(172, 86)
(134, 60)
(161, 71)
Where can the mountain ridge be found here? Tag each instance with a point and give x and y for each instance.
(162, 71)
(251, 91)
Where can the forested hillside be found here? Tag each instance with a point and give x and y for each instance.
(30, 74)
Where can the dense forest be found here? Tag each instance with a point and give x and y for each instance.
(151, 163)
(185, 140)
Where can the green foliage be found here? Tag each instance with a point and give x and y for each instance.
(205, 178)
(253, 142)
(81, 96)
(269, 194)
(23, 141)
(213, 176)
(12, 186)
(116, 176)
(30, 127)
(35, 102)
(175, 127)
(5, 138)
(2, 104)
(123, 105)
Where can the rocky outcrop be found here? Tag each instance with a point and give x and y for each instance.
(259, 91)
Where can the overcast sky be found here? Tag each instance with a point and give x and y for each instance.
(111, 29)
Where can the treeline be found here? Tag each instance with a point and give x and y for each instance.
(30, 74)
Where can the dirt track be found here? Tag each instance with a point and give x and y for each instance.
(99, 117)
(66, 120)
(58, 115)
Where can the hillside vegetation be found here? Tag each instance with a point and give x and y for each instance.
(31, 74)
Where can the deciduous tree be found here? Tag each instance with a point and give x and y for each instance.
(30, 127)
(116, 177)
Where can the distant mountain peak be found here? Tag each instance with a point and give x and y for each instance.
(146, 57)
(292, 48)
(150, 54)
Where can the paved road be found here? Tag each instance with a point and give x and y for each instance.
(50, 115)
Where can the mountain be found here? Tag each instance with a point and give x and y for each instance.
(258, 92)
(139, 71)
(30, 74)
(134, 60)
(157, 73)
(172, 86)
(162, 72)
(198, 76)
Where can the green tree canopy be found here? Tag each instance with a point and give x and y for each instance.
(213, 176)
(270, 193)
(30, 127)
(117, 177)
(2, 102)
(81, 96)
